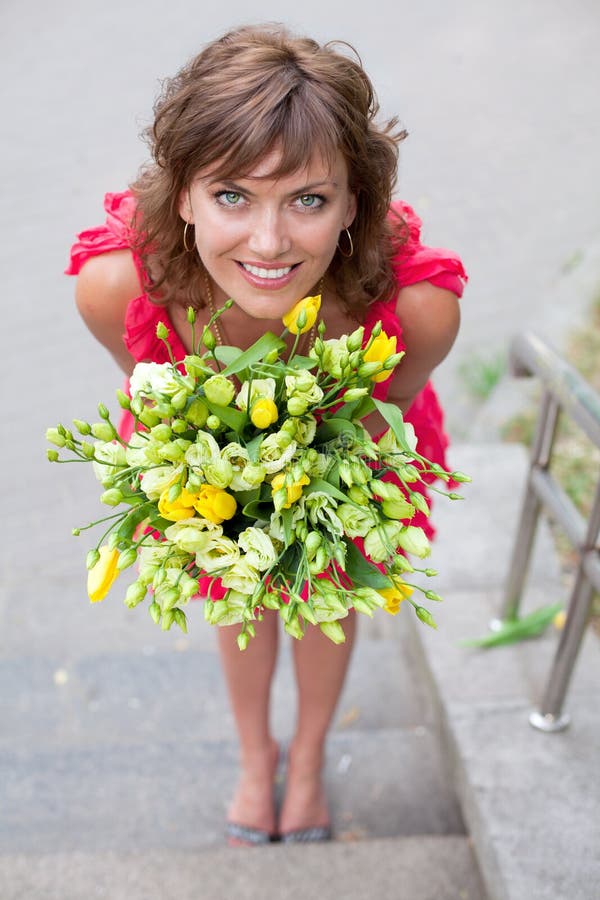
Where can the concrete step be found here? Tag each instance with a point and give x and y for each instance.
(422, 867)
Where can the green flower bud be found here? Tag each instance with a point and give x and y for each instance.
(103, 412)
(213, 422)
(123, 400)
(82, 427)
(425, 616)
(362, 606)
(195, 366)
(92, 558)
(104, 431)
(334, 631)
(294, 628)
(61, 430)
(52, 455)
(148, 417)
(162, 332)
(161, 433)
(87, 450)
(355, 339)
(167, 620)
(219, 390)
(197, 413)
(54, 436)
(154, 610)
(127, 558)
(321, 328)
(308, 614)
(460, 477)
(355, 394)
(75, 532)
(179, 399)
(272, 357)
(243, 640)
(167, 598)
(112, 497)
(376, 330)
(194, 482)
(296, 406)
(392, 361)
(191, 315)
(368, 369)
(431, 595)
(180, 619)
(454, 496)
(254, 474)
(312, 543)
(208, 339)
(113, 539)
(174, 492)
(171, 451)
(400, 564)
(135, 594)
(301, 320)
(179, 426)
(430, 572)
(147, 574)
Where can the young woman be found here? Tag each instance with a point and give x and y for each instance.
(271, 180)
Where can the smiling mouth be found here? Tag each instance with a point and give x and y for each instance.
(260, 272)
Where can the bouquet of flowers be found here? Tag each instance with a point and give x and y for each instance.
(250, 480)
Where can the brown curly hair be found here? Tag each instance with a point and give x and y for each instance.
(254, 89)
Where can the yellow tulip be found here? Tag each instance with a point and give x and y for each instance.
(264, 413)
(180, 508)
(214, 504)
(395, 595)
(381, 348)
(294, 491)
(102, 576)
(310, 306)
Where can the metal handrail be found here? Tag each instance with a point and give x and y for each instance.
(564, 391)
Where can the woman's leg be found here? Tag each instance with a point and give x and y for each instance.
(248, 674)
(320, 672)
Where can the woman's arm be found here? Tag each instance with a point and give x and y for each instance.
(430, 318)
(105, 287)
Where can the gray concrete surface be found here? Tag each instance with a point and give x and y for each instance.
(502, 106)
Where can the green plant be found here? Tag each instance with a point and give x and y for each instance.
(481, 374)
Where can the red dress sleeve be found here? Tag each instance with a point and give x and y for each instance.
(117, 233)
(415, 262)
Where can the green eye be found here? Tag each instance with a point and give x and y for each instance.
(232, 197)
(308, 199)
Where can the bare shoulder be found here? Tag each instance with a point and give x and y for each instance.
(105, 287)
(430, 319)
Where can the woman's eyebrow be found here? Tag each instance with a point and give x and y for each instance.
(240, 189)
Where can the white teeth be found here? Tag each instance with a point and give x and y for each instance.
(267, 273)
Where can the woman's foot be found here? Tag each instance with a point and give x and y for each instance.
(251, 815)
(304, 812)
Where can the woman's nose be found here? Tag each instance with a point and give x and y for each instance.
(269, 237)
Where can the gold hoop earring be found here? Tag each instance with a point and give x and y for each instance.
(346, 255)
(185, 238)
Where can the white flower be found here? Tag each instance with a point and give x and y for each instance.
(415, 541)
(241, 576)
(259, 388)
(157, 553)
(321, 510)
(155, 378)
(238, 457)
(258, 547)
(382, 541)
(204, 450)
(357, 520)
(276, 451)
(193, 535)
(303, 386)
(334, 353)
(136, 451)
(219, 553)
(231, 611)
(156, 479)
(115, 457)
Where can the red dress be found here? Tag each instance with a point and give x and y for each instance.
(414, 262)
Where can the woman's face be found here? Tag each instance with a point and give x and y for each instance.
(267, 242)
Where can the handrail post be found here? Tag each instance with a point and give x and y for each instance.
(524, 538)
(550, 716)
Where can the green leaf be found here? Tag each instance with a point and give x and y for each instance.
(393, 416)
(332, 428)
(227, 354)
(235, 418)
(362, 572)
(253, 354)
(528, 626)
(318, 484)
(254, 446)
(286, 517)
(133, 519)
